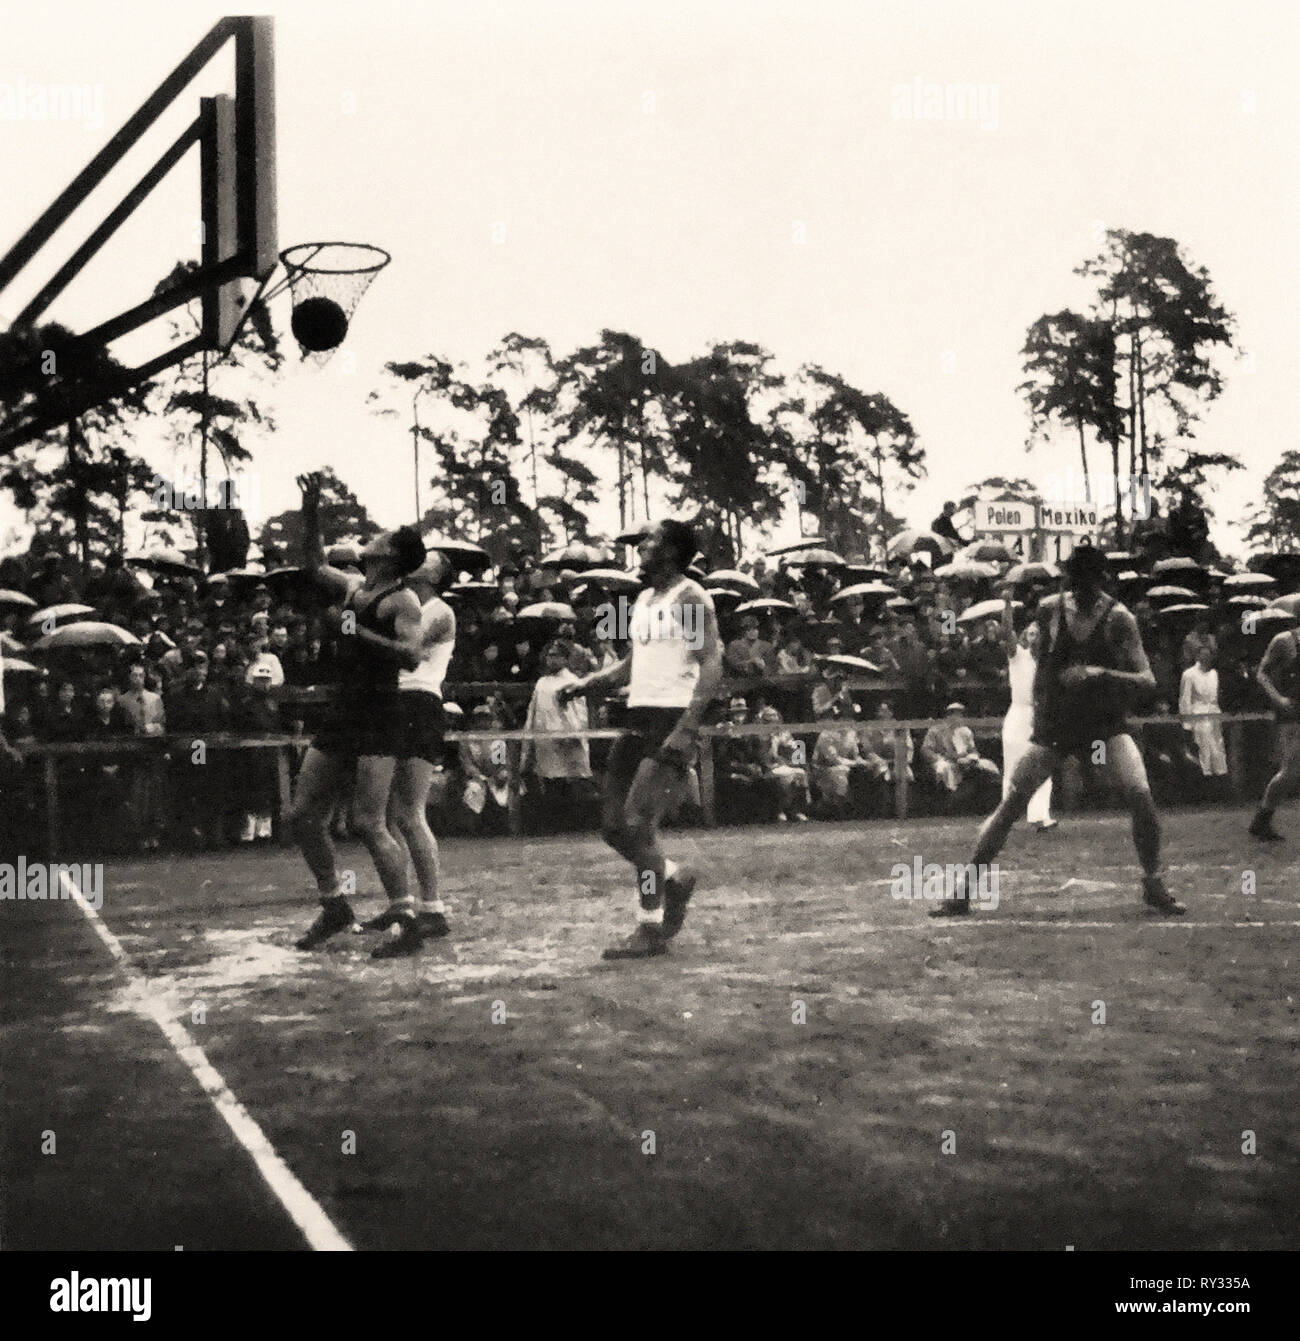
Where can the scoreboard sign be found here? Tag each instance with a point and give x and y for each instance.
(1008, 515)
(1070, 518)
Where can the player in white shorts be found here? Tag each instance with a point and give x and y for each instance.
(672, 673)
(421, 723)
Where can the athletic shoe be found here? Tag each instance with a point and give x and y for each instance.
(783, 818)
(335, 916)
(432, 925)
(1155, 895)
(1044, 825)
(952, 908)
(406, 942)
(1265, 830)
(677, 894)
(800, 817)
(645, 942)
(390, 917)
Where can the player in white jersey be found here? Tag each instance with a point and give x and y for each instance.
(1018, 724)
(420, 726)
(672, 674)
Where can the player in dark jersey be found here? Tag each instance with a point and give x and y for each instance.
(1279, 677)
(380, 627)
(1091, 664)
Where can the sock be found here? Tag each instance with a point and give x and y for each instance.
(670, 869)
(1264, 815)
(652, 917)
(433, 905)
(328, 891)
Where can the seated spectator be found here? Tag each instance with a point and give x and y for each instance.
(787, 765)
(64, 720)
(260, 659)
(835, 760)
(743, 768)
(485, 799)
(877, 741)
(794, 658)
(1170, 765)
(829, 691)
(949, 750)
(558, 767)
(748, 656)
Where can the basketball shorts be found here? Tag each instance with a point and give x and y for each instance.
(356, 728)
(420, 725)
(644, 732)
(1077, 733)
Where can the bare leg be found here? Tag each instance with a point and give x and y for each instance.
(316, 792)
(654, 791)
(1129, 774)
(409, 821)
(1031, 769)
(370, 805)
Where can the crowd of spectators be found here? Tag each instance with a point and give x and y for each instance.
(253, 656)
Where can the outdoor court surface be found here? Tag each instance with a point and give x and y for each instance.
(768, 1133)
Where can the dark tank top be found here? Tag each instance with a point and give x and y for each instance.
(365, 671)
(1087, 702)
(1287, 682)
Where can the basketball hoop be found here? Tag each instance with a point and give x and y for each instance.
(326, 281)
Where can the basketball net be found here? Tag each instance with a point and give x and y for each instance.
(326, 281)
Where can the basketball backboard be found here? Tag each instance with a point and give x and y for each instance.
(235, 136)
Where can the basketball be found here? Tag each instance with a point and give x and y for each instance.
(319, 324)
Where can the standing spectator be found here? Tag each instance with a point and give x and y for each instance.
(197, 710)
(1198, 640)
(943, 525)
(106, 786)
(143, 709)
(560, 765)
(258, 714)
(1199, 698)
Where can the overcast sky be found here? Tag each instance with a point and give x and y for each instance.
(700, 172)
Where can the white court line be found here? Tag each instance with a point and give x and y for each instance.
(304, 1210)
(990, 919)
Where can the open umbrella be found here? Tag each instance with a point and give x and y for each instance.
(1171, 594)
(609, 579)
(910, 542)
(90, 633)
(575, 556)
(1284, 567)
(1249, 581)
(864, 572)
(900, 604)
(723, 595)
(477, 593)
(1184, 608)
(1291, 604)
(808, 542)
(1119, 558)
(967, 571)
(464, 556)
(61, 614)
(1246, 601)
(17, 666)
(813, 558)
(985, 551)
(555, 611)
(852, 665)
(733, 578)
(763, 603)
(15, 600)
(165, 560)
(8, 643)
(1178, 564)
(1023, 574)
(1275, 618)
(985, 610)
(251, 575)
(865, 591)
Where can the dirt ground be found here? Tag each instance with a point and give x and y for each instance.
(816, 1064)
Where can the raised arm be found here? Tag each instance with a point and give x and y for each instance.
(334, 579)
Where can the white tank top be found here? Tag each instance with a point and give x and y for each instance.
(664, 671)
(1020, 671)
(432, 670)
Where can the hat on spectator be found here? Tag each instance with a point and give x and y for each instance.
(738, 704)
(481, 710)
(954, 706)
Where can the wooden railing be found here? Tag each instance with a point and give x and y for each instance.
(289, 748)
